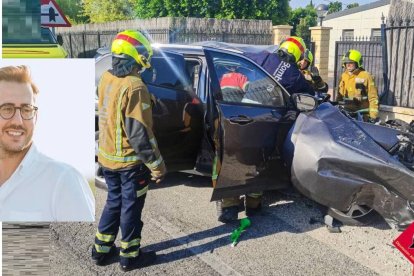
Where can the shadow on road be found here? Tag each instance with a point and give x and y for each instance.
(180, 178)
(289, 212)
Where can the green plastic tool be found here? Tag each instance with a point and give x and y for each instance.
(235, 235)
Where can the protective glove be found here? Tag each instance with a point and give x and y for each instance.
(158, 173)
(315, 72)
(356, 101)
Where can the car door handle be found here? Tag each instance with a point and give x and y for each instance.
(240, 119)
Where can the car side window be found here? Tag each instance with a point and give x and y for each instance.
(193, 68)
(168, 71)
(242, 81)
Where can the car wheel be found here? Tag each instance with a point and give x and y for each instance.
(357, 215)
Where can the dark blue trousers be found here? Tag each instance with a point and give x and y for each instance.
(126, 197)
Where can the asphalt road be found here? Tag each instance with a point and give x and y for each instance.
(288, 239)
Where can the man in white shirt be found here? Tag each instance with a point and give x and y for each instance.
(33, 187)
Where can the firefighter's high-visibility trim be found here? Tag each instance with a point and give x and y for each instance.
(231, 87)
(102, 248)
(368, 110)
(142, 192)
(105, 237)
(214, 174)
(156, 163)
(129, 39)
(297, 43)
(118, 143)
(153, 143)
(134, 242)
(117, 158)
(359, 98)
(145, 106)
(132, 254)
(255, 195)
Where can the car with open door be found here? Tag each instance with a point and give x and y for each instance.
(247, 139)
(190, 109)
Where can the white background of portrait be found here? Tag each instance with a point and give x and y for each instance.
(1, 253)
(65, 128)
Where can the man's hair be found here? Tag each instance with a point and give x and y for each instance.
(19, 74)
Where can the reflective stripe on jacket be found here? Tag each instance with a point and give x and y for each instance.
(125, 123)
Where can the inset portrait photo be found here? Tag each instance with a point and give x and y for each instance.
(47, 140)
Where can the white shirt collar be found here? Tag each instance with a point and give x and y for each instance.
(28, 159)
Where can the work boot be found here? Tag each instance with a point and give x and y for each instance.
(144, 259)
(103, 258)
(229, 214)
(251, 212)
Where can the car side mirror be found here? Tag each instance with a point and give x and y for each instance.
(59, 39)
(304, 102)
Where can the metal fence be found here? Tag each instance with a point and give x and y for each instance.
(371, 50)
(399, 67)
(85, 44)
(82, 41)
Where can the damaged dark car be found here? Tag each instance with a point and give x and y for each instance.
(349, 166)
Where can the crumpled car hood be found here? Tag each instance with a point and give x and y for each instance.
(336, 163)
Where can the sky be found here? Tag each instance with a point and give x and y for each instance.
(65, 127)
(302, 3)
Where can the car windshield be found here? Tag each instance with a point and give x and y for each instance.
(46, 37)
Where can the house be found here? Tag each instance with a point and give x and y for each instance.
(362, 21)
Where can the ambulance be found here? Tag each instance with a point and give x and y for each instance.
(48, 46)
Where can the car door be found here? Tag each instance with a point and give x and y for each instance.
(177, 112)
(246, 124)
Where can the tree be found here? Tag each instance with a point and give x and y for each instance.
(353, 5)
(108, 10)
(335, 6)
(275, 10)
(303, 18)
(72, 10)
(150, 8)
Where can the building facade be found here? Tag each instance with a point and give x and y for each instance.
(362, 21)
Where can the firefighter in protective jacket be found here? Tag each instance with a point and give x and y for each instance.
(311, 73)
(128, 150)
(357, 87)
(233, 84)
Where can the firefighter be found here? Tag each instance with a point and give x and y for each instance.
(128, 151)
(357, 87)
(233, 84)
(311, 73)
(282, 64)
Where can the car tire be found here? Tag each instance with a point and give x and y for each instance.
(357, 215)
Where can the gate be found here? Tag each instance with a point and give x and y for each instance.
(399, 35)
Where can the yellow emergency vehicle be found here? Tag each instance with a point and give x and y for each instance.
(47, 47)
